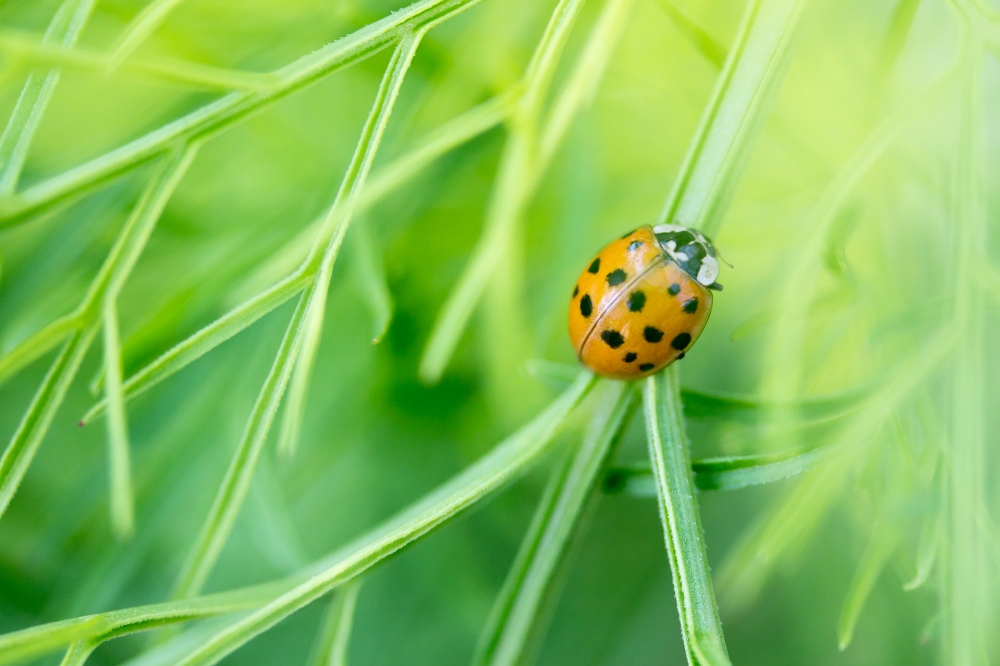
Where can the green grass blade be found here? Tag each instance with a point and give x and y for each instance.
(16, 138)
(880, 547)
(895, 38)
(508, 460)
(515, 614)
(729, 473)
(668, 451)
(512, 190)
(78, 653)
(208, 338)
(19, 646)
(28, 47)
(142, 26)
(927, 550)
(24, 444)
(335, 632)
(579, 90)
(742, 95)
(121, 500)
(233, 489)
(370, 270)
(37, 344)
(703, 42)
(225, 112)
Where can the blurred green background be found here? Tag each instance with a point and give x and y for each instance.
(886, 284)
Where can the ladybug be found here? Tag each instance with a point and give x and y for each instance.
(643, 301)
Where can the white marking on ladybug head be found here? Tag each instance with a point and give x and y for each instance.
(690, 249)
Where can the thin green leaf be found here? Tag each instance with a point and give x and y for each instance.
(371, 274)
(729, 473)
(517, 177)
(142, 26)
(208, 338)
(515, 614)
(507, 461)
(927, 549)
(742, 95)
(27, 46)
(22, 645)
(121, 501)
(668, 451)
(236, 107)
(335, 632)
(895, 38)
(880, 547)
(37, 344)
(232, 491)
(703, 42)
(122, 257)
(78, 653)
(16, 138)
(35, 423)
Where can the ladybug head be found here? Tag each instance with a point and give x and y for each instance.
(691, 250)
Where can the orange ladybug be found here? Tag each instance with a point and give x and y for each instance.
(643, 301)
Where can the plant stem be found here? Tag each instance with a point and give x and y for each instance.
(668, 451)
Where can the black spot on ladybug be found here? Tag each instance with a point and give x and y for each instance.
(690, 306)
(674, 289)
(635, 245)
(595, 266)
(616, 277)
(636, 300)
(576, 290)
(681, 341)
(680, 356)
(653, 334)
(586, 305)
(612, 338)
(629, 234)
(646, 366)
(631, 356)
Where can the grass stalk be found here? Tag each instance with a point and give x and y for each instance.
(515, 620)
(15, 141)
(104, 288)
(335, 632)
(668, 450)
(232, 491)
(209, 120)
(139, 30)
(121, 500)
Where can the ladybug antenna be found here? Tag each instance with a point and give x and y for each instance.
(722, 259)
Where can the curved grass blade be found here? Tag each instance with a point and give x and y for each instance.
(927, 549)
(236, 107)
(28, 47)
(121, 501)
(78, 653)
(208, 338)
(371, 274)
(335, 634)
(729, 473)
(37, 344)
(668, 451)
(515, 615)
(499, 467)
(508, 460)
(880, 547)
(517, 177)
(142, 26)
(232, 492)
(739, 103)
(16, 139)
(22, 448)
(22, 645)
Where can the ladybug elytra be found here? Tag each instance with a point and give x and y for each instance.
(643, 301)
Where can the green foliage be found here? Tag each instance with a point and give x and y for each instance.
(169, 187)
